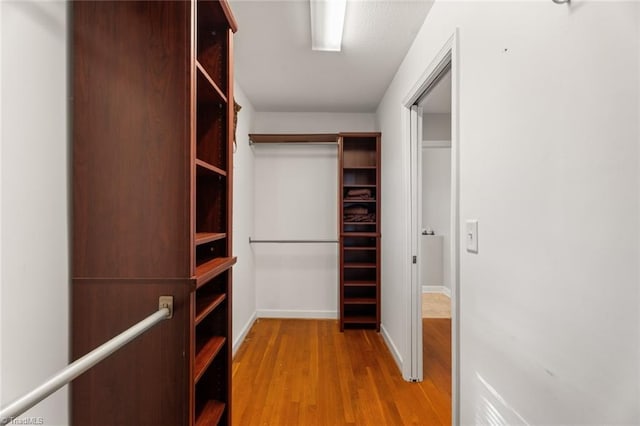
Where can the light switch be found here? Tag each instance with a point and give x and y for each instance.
(472, 236)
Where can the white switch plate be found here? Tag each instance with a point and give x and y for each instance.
(472, 236)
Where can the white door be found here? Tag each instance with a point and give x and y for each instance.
(416, 215)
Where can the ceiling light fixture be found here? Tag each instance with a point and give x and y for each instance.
(327, 23)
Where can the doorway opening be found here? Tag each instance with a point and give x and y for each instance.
(431, 107)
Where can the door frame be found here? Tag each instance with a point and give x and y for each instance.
(412, 370)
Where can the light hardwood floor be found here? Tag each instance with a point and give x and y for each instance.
(436, 305)
(305, 372)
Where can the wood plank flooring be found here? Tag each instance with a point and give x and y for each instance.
(305, 372)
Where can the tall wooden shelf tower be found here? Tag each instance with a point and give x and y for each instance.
(152, 158)
(359, 217)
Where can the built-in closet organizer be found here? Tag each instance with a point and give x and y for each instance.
(152, 103)
(359, 218)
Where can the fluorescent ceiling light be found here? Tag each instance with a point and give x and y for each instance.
(327, 22)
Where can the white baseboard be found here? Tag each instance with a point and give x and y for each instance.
(436, 289)
(282, 313)
(392, 347)
(243, 334)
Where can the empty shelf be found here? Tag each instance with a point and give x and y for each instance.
(206, 354)
(211, 413)
(212, 268)
(360, 283)
(207, 237)
(204, 305)
(359, 319)
(360, 301)
(204, 168)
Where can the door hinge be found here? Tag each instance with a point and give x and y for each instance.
(414, 260)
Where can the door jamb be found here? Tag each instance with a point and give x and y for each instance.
(447, 54)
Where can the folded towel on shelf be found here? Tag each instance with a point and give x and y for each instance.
(358, 192)
(357, 209)
(359, 197)
(364, 218)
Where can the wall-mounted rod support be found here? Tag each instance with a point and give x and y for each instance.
(76, 368)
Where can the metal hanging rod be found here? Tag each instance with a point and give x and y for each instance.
(251, 241)
(76, 368)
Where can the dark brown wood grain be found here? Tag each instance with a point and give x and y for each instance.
(131, 139)
(152, 207)
(359, 167)
(145, 382)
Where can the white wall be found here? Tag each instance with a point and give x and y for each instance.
(436, 202)
(244, 286)
(549, 166)
(34, 295)
(296, 191)
(436, 186)
(296, 198)
(314, 122)
(436, 127)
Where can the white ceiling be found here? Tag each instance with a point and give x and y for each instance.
(278, 71)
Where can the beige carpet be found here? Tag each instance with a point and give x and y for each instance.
(436, 305)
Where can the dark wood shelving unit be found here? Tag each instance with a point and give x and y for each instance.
(205, 353)
(359, 265)
(207, 237)
(204, 168)
(211, 413)
(213, 268)
(360, 319)
(152, 208)
(359, 218)
(219, 95)
(358, 248)
(359, 283)
(205, 305)
(361, 301)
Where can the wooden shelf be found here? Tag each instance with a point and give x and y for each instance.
(207, 237)
(358, 223)
(211, 413)
(358, 168)
(293, 138)
(359, 248)
(204, 168)
(214, 267)
(356, 185)
(359, 265)
(205, 354)
(360, 284)
(206, 304)
(360, 301)
(346, 200)
(360, 319)
(203, 77)
(360, 234)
